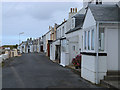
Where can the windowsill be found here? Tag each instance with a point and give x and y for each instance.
(93, 54)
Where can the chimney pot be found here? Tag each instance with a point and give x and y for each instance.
(71, 10)
(64, 20)
(76, 10)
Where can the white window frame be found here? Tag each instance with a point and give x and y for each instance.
(89, 40)
(63, 31)
(102, 42)
(92, 39)
(85, 40)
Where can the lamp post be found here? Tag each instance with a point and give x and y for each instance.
(19, 38)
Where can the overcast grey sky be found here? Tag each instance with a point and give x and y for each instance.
(32, 18)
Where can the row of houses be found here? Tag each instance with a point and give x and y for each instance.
(31, 45)
(92, 32)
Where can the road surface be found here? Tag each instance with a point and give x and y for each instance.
(35, 70)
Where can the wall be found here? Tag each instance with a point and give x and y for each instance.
(112, 49)
(53, 48)
(88, 68)
(74, 39)
(89, 20)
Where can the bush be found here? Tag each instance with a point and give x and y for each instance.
(77, 60)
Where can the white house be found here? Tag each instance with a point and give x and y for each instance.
(74, 37)
(100, 41)
(45, 39)
(55, 46)
(22, 47)
(44, 43)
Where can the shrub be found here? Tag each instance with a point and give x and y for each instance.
(77, 60)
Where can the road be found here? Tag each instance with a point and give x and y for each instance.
(35, 70)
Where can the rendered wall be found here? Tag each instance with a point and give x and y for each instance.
(88, 68)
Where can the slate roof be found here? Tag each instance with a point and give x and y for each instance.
(105, 12)
(79, 19)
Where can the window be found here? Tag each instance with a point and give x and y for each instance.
(93, 40)
(85, 44)
(63, 31)
(60, 33)
(63, 45)
(72, 23)
(88, 40)
(73, 48)
(101, 39)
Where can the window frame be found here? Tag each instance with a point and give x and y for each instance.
(92, 39)
(100, 41)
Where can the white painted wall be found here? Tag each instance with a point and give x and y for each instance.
(112, 49)
(88, 70)
(74, 39)
(89, 20)
(52, 51)
(53, 48)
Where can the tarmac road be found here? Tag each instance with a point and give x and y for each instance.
(35, 70)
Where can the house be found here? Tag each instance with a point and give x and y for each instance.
(44, 43)
(100, 41)
(35, 45)
(56, 44)
(47, 43)
(22, 47)
(62, 36)
(39, 44)
(74, 37)
(51, 42)
(45, 39)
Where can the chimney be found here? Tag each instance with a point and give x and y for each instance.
(71, 10)
(64, 20)
(76, 10)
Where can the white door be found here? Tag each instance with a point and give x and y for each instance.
(112, 49)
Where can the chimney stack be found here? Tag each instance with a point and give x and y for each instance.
(72, 12)
(76, 10)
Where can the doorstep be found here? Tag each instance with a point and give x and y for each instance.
(77, 71)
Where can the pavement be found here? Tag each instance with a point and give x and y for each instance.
(35, 70)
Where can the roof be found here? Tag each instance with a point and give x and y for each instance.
(105, 12)
(61, 24)
(78, 22)
(74, 29)
(79, 16)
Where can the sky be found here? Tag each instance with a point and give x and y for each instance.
(32, 18)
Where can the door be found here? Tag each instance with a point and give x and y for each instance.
(48, 48)
(41, 48)
(112, 49)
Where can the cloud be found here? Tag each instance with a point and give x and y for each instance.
(40, 10)
(33, 18)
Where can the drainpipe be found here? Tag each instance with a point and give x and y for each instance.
(97, 56)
